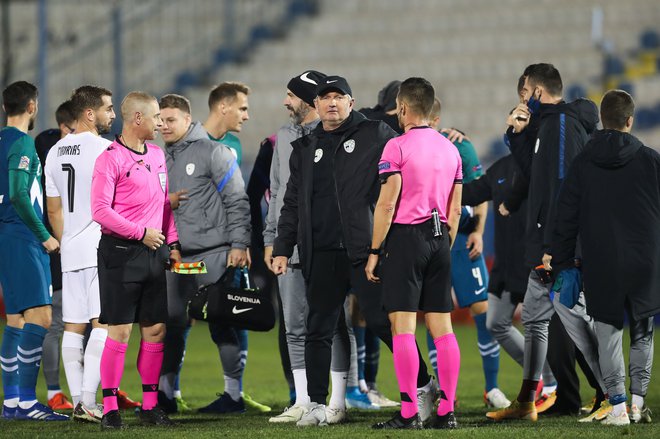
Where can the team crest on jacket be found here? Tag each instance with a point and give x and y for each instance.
(162, 176)
(349, 145)
(190, 168)
(318, 154)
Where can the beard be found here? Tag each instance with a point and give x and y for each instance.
(299, 114)
(103, 129)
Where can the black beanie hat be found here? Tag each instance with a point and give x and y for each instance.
(387, 96)
(304, 85)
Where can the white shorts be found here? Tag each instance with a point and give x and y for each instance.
(80, 295)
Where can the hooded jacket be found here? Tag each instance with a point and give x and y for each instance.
(563, 130)
(279, 175)
(611, 201)
(355, 167)
(217, 213)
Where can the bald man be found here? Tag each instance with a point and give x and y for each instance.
(129, 201)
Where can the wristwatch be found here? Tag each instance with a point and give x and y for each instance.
(374, 251)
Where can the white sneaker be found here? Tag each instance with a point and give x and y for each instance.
(612, 419)
(381, 400)
(426, 400)
(314, 415)
(335, 415)
(83, 414)
(290, 414)
(639, 416)
(496, 398)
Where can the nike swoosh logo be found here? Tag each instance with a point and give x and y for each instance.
(330, 82)
(238, 311)
(305, 78)
(479, 291)
(501, 180)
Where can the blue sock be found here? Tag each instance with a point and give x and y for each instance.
(359, 332)
(372, 356)
(243, 345)
(489, 349)
(29, 360)
(433, 353)
(10, 362)
(177, 385)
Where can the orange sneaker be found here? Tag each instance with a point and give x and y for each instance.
(60, 402)
(517, 410)
(545, 402)
(125, 402)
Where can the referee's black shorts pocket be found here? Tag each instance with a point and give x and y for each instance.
(113, 256)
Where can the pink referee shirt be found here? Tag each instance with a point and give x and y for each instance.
(129, 193)
(429, 165)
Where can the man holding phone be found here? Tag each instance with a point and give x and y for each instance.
(544, 153)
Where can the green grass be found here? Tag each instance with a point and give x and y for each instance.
(264, 381)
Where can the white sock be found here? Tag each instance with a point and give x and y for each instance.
(166, 384)
(233, 388)
(176, 394)
(92, 370)
(547, 390)
(300, 383)
(53, 392)
(364, 388)
(27, 404)
(72, 358)
(638, 401)
(618, 409)
(338, 394)
(11, 403)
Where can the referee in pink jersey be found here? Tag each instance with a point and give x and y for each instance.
(416, 218)
(129, 201)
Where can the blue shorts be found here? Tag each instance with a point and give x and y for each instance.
(469, 278)
(24, 274)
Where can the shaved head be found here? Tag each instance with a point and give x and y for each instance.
(134, 102)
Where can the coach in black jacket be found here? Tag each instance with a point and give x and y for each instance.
(328, 212)
(611, 201)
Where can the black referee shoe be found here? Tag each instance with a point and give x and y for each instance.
(399, 422)
(445, 422)
(112, 421)
(155, 416)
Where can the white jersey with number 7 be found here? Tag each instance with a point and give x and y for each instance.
(69, 168)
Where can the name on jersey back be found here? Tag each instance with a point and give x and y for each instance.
(68, 150)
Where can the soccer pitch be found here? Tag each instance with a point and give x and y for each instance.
(264, 381)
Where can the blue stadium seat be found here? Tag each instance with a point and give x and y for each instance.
(575, 91)
(649, 39)
(614, 66)
(261, 32)
(185, 79)
(303, 7)
(224, 55)
(628, 87)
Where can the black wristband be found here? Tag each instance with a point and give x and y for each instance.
(374, 251)
(176, 245)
